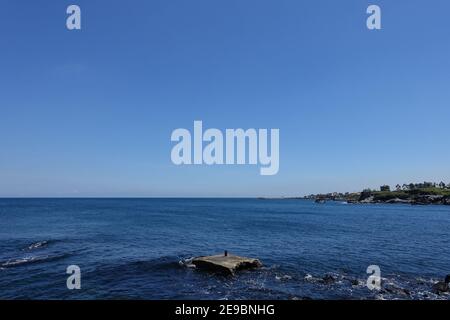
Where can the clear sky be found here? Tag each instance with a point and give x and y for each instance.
(90, 112)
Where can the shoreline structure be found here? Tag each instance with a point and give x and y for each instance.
(425, 193)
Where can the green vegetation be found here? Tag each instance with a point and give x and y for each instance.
(388, 195)
(408, 194)
(432, 191)
(414, 193)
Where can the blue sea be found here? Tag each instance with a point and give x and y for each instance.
(139, 248)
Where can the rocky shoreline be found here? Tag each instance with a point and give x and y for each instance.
(426, 193)
(419, 200)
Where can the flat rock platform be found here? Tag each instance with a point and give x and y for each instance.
(226, 264)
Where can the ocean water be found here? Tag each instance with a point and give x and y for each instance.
(135, 248)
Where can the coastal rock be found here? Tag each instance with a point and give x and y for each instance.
(367, 200)
(354, 282)
(397, 291)
(398, 200)
(226, 264)
(283, 278)
(428, 199)
(328, 279)
(442, 286)
(426, 193)
(301, 298)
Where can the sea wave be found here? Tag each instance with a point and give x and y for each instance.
(11, 263)
(39, 244)
(186, 262)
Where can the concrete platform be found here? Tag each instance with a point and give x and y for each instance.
(226, 264)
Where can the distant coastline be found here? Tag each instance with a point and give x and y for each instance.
(426, 193)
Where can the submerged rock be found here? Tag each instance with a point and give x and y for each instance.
(397, 291)
(187, 263)
(37, 245)
(328, 279)
(442, 286)
(281, 278)
(354, 282)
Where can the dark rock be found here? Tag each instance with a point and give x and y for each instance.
(397, 200)
(367, 200)
(328, 279)
(397, 291)
(354, 282)
(283, 278)
(442, 286)
(428, 199)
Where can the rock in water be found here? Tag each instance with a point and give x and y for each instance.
(328, 279)
(442, 286)
(226, 264)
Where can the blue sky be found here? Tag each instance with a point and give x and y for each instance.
(90, 112)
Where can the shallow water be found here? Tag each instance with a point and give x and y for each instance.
(134, 248)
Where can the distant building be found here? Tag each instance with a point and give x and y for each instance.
(429, 185)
